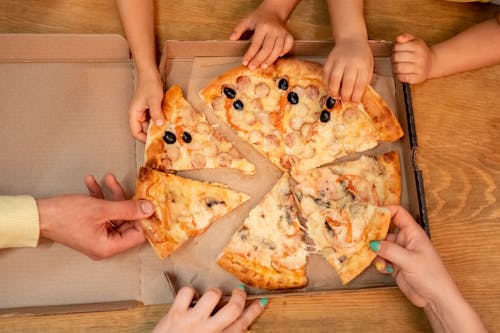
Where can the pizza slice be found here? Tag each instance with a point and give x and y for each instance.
(268, 250)
(184, 208)
(341, 205)
(188, 141)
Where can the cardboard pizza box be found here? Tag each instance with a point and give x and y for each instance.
(63, 110)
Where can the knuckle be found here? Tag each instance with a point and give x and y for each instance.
(233, 310)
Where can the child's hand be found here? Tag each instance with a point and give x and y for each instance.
(270, 39)
(412, 59)
(232, 317)
(147, 97)
(409, 255)
(348, 69)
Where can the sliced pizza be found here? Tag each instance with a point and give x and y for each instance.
(341, 205)
(188, 141)
(285, 112)
(268, 250)
(184, 208)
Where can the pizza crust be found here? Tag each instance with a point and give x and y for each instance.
(256, 275)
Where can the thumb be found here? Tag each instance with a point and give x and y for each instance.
(156, 113)
(405, 38)
(391, 252)
(240, 28)
(128, 210)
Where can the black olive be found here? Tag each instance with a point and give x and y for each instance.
(330, 102)
(230, 93)
(169, 137)
(283, 84)
(293, 97)
(238, 105)
(186, 137)
(325, 116)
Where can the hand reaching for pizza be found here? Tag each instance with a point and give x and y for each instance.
(409, 256)
(146, 105)
(232, 317)
(348, 69)
(412, 59)
(92, 225)
(270, 40)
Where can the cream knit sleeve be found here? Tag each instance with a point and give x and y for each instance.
(19, 225)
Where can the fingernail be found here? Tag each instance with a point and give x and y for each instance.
(159, 123)
(389, 269)
(251, 67)
(374, 245)
(263, 301)
(245, 62)
(147, 207)
(264, 66)
(378, 266)
(242, 287)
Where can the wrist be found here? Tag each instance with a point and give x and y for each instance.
(433, 64)
(278, 9)
(44, 216)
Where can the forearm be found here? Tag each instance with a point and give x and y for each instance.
(452, 313)
(471, 49)
(137, 18)
(347, 20)
(281, 8)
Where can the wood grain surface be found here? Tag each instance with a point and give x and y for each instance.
(458, 126)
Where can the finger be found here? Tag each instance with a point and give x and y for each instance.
(409, 78)
(411, 46)
(250, 314)
(264, 53)
(380, 265)
(230, 312)
(404, 68)
(128, 210)
(275, 53)
(207, 303)
(391, 237)
(240, 28)
(184, 298)
(401, 217)
(405, 38)
(392, 252)
(137, 115)
(288, 44)
(255, 46)
(335, 80)
(117, 242)
(359, 87)
(347, 85)
(93, 187)
(117, 192)
(156, 113)
(404, 56)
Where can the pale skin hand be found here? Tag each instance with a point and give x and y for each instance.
(476, 47)
(231, 318)
(271, 39)
(349, 66)
(138, 24)
(422, 276)
(80, 221)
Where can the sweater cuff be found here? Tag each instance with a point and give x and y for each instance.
(19, 224)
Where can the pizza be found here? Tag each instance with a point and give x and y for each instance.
(268, 250)
(184, 208)
(188, 141)
(287, 115)
(342, 207)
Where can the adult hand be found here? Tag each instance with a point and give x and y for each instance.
(270, 40)
(92, 225)
(232, 317)
(348, 69)
(409, 256)
(412, 59)
(146, 105)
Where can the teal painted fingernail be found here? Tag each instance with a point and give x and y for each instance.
(374, 245)
(389, 269)
(242, 287)
(263, 301)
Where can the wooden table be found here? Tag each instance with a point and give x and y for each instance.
(458, 126)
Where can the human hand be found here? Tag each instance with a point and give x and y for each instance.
(232, 317)
(348, 69)
(91, 225)
(412, 59)
(270, 40)
(146, 104)
(409, 256)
